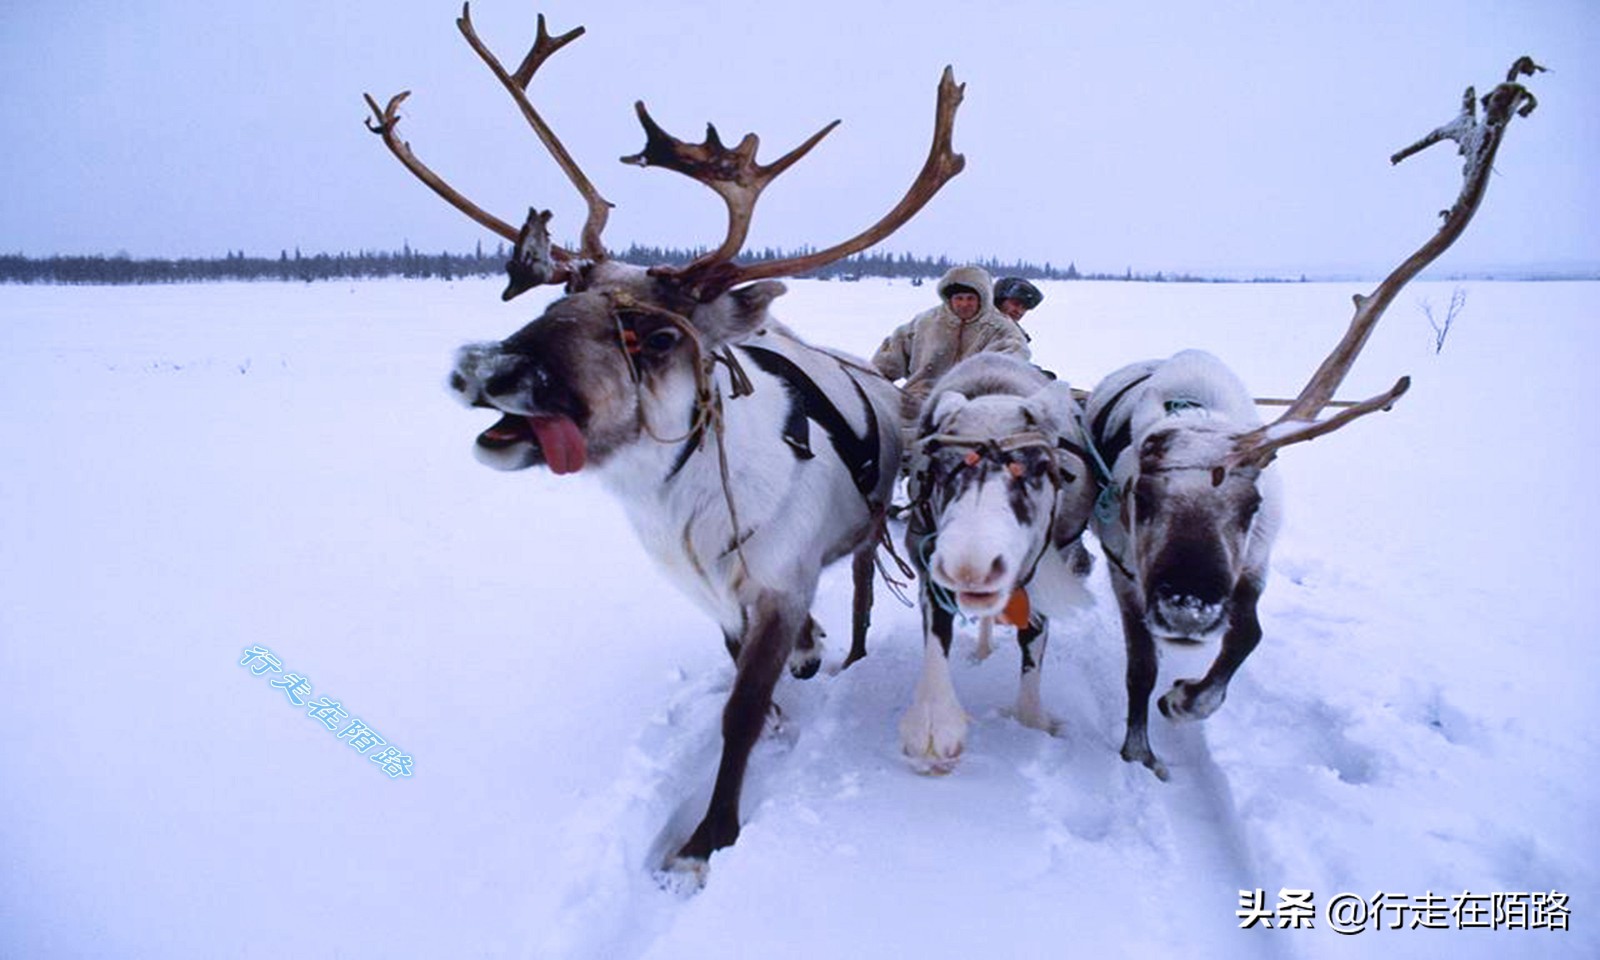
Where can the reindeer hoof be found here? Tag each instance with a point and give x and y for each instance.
(933, 740)
(1191, 700)
(683, 876)
(804, 665)
(1143, 755)
(1036, 718)
(806, 657)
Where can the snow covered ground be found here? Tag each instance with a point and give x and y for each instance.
(193, 471)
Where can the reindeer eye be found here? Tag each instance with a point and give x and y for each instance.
(1145, 497)
(1247, 510)
(661, 339)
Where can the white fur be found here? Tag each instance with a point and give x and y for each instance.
(933, 730)
(798, 509)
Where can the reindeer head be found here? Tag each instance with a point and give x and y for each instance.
(1191, 520)
(998, 485)
(585, 379)
(579, 382)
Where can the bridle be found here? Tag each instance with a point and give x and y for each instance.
(1001, 452)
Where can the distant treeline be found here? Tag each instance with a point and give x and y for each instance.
(414, 264)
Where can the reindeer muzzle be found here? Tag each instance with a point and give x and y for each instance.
(1187, 617)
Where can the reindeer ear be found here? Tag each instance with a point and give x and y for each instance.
(946, 405)
(755, 298)
(737, 313)
(1050, 408)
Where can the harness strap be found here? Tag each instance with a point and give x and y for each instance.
(860, 454)
(1111, 448)
(1116, 562)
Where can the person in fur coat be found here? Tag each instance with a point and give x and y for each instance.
(966, 322)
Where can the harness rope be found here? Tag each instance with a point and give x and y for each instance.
(708, 399)
(707, 411)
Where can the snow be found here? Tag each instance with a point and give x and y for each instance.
(194, 470)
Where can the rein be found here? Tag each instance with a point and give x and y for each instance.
(707, 398)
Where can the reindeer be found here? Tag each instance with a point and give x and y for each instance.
(1001, 491)
(1190, 506)
(746, 459)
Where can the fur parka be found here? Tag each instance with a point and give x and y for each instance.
(925, 348)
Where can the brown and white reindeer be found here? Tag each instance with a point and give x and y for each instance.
(746, 459)
(1191, 506)
(1001, 491)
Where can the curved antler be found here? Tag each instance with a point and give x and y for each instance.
(733, 174)
(1476, 140)
(385, 120)
(517, 85)
(738, 179)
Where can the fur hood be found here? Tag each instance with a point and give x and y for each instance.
(975, 277)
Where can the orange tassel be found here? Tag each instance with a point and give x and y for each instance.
(1018, 611)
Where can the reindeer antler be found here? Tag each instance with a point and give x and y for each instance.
(738, 179)
(388, 118)
(1477, 140)
(733, 174)
(516, 84)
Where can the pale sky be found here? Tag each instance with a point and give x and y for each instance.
(1218, 136)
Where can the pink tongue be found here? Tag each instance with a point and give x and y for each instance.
(563, 445)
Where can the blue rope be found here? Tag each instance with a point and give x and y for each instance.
(945, 600)
(1107, 503)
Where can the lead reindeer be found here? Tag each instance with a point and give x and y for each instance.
(746, 459)
(1001, 492)
(1191, 506)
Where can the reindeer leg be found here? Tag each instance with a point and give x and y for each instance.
(1198, 699)
(774, 627)
(1032, 639)
(985, 645)
(933, 730)
(1141, 647)
(807, 656)
(803, 662)
(861, 570)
